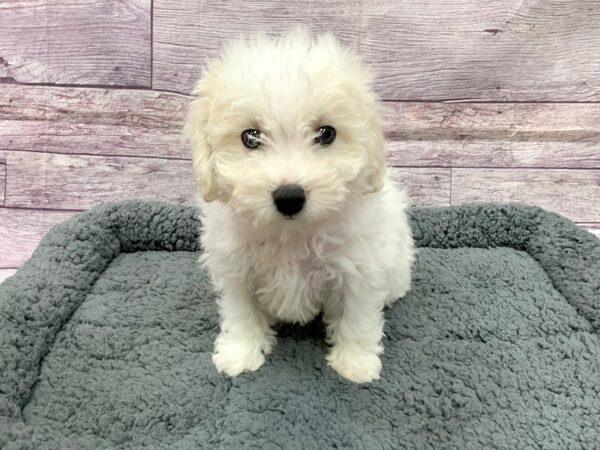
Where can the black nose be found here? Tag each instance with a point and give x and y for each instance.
(289, 199)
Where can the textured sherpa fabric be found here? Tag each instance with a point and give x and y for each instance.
(106, 335)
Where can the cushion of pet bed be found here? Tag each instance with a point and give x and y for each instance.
(106, 335)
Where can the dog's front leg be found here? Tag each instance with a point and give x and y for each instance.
(245, 336)
(355, 328)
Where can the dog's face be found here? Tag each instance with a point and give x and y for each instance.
(286, 132)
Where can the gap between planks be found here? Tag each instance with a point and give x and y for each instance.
(6, 82)
(115, 87)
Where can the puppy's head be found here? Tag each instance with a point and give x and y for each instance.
(286, 130)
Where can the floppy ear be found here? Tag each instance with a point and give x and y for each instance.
(195, 131)
(376, 165)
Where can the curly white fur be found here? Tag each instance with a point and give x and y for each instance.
(349, 252)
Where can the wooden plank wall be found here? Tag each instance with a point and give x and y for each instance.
(484, 100)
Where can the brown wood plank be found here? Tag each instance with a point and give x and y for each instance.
(21, 231)
(425, 186)
(92, 121)
(78, 182)
(493, 134)
(76, 42)
(147, 123)
(5, 273)
(574, 193)
(474, 49)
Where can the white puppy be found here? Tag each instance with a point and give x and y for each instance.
(299, 214)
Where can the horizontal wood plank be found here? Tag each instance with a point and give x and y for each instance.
(92, 121)
(488, 153)
(573, 193)
(5, 273)
(76, 42)
(21, 231)
(148, 123)
(42, 180)
(424, 186)
(493, 134)
(187, 34)
(484, 50)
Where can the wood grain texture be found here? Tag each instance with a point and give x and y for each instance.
(424, 186)
(43, 180)
(21, 231)
(74, 147)
(76, 42)
(476, 49)
(5, 273)
(484, 49)
(493, 134)
(148, 123)
(92, 121)
(2, 181)
(187, 34)
(573, 193)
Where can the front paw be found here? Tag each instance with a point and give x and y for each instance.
(233, 356)
(354, 363)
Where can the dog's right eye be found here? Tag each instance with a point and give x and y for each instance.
(251, 138)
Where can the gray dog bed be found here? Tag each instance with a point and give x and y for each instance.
(106, 335)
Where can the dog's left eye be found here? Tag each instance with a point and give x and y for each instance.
(325, 135)
(251, 138)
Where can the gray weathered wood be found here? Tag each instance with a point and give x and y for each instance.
(493, 134)
(76, 42)
(425, 186)
(43, 180)
(188, 33)
(494, 50)
(484, 49)
(5, 273)
(489, 153)
(574, 193)
(21, 231)
(63, 183)
(475, 49)
(2, 181)
(92, 121)
(147, 123)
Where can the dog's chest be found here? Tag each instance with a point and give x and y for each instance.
(293, 283)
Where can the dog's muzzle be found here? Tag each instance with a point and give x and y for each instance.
(289, 199)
